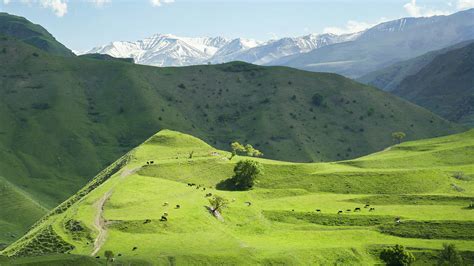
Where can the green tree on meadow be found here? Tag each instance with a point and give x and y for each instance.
(109, 255)
(398, 136)
(246, 173)
(397, 256)
(218, 203)
(449, 256)
(248, 149)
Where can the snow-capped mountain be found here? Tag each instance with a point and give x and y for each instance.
(170, 50)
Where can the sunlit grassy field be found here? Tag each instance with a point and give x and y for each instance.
(414, 181)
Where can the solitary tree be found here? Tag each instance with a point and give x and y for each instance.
(109, 255)
(251, 151)
(236, 147)
(397, 256)
(317, 99)
(398, 136)
(246, 173)
(217, 204)
(449, 256)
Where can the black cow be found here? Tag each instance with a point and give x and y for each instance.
(366, 206)
(318, 210)
(163, 219)
(147, 221)
(339, 212)
(134, 248)
(357, 210)
(371, 209)
(178, 206)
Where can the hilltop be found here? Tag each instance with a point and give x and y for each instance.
(33, 34)
(120, 209)
(445, 86)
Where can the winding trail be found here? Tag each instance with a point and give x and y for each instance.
(99, 221)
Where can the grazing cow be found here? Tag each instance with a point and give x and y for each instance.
(208, 194)
(348, 210)
(397, 220)
(366, 206)
(339, 212)
(147, 221)
(318, 210)
(177, 206)
(371, 209)
(119, 255)
(165, 214)
(134, 248)
(357, 210)
(248, 203)
(203, 188)
(147, 163)
(152, 162)
(163, 219)
(98, 257)
(165, 204)
(293, 210)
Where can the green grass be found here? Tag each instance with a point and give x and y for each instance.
(281, 226)
(69, 117)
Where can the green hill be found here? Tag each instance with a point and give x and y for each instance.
(445, 86)
(22, 29)
(120, 209)
(389, 78)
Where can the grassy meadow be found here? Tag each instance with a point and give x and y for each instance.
(417, 181)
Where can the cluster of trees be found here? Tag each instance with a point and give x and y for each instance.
(399, 256)
(248, 150)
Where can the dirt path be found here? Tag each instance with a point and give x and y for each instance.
(99, 221)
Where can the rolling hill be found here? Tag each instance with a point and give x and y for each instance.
(22, 29)
(66, 118)
(276, 222)
(389, 78)
(386, 44)
(445, 86)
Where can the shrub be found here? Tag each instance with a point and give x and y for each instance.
(246, 173)
(397, 256)
(449, 256)
(317, 99)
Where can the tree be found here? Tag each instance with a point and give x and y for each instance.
(109, 255)
(397, 256)
(398, 136)
(236, 147)
(251, 151)
(248, 149)
(218, 203)
(449, 256)
(246, 173)
(317, 99)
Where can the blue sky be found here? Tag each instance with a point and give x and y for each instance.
(83, 24)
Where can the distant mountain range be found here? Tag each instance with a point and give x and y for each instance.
(352, 55)
(170, 50)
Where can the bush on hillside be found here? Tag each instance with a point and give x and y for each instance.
(397, 256)
(449, 256)
(246, 173)
(317, 99)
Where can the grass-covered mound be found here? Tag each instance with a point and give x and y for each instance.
(277, 221)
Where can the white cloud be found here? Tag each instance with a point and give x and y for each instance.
(415, 10)
(59, 7)
(160, 2)
(465, 4)
(100, 3)
(352, 26)
(6, 2)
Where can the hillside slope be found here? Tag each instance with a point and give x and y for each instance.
(120, 209)
(22, 29)
(445, 86)
(65, 118)
(389, 78)
(386, 44)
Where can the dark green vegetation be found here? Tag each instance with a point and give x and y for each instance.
(397, 256)
(105, 57)
(65, 118)
(444, 86)
(431, 229)
(389, 78)
(22, 29)
(297, 212)
(386, 44)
